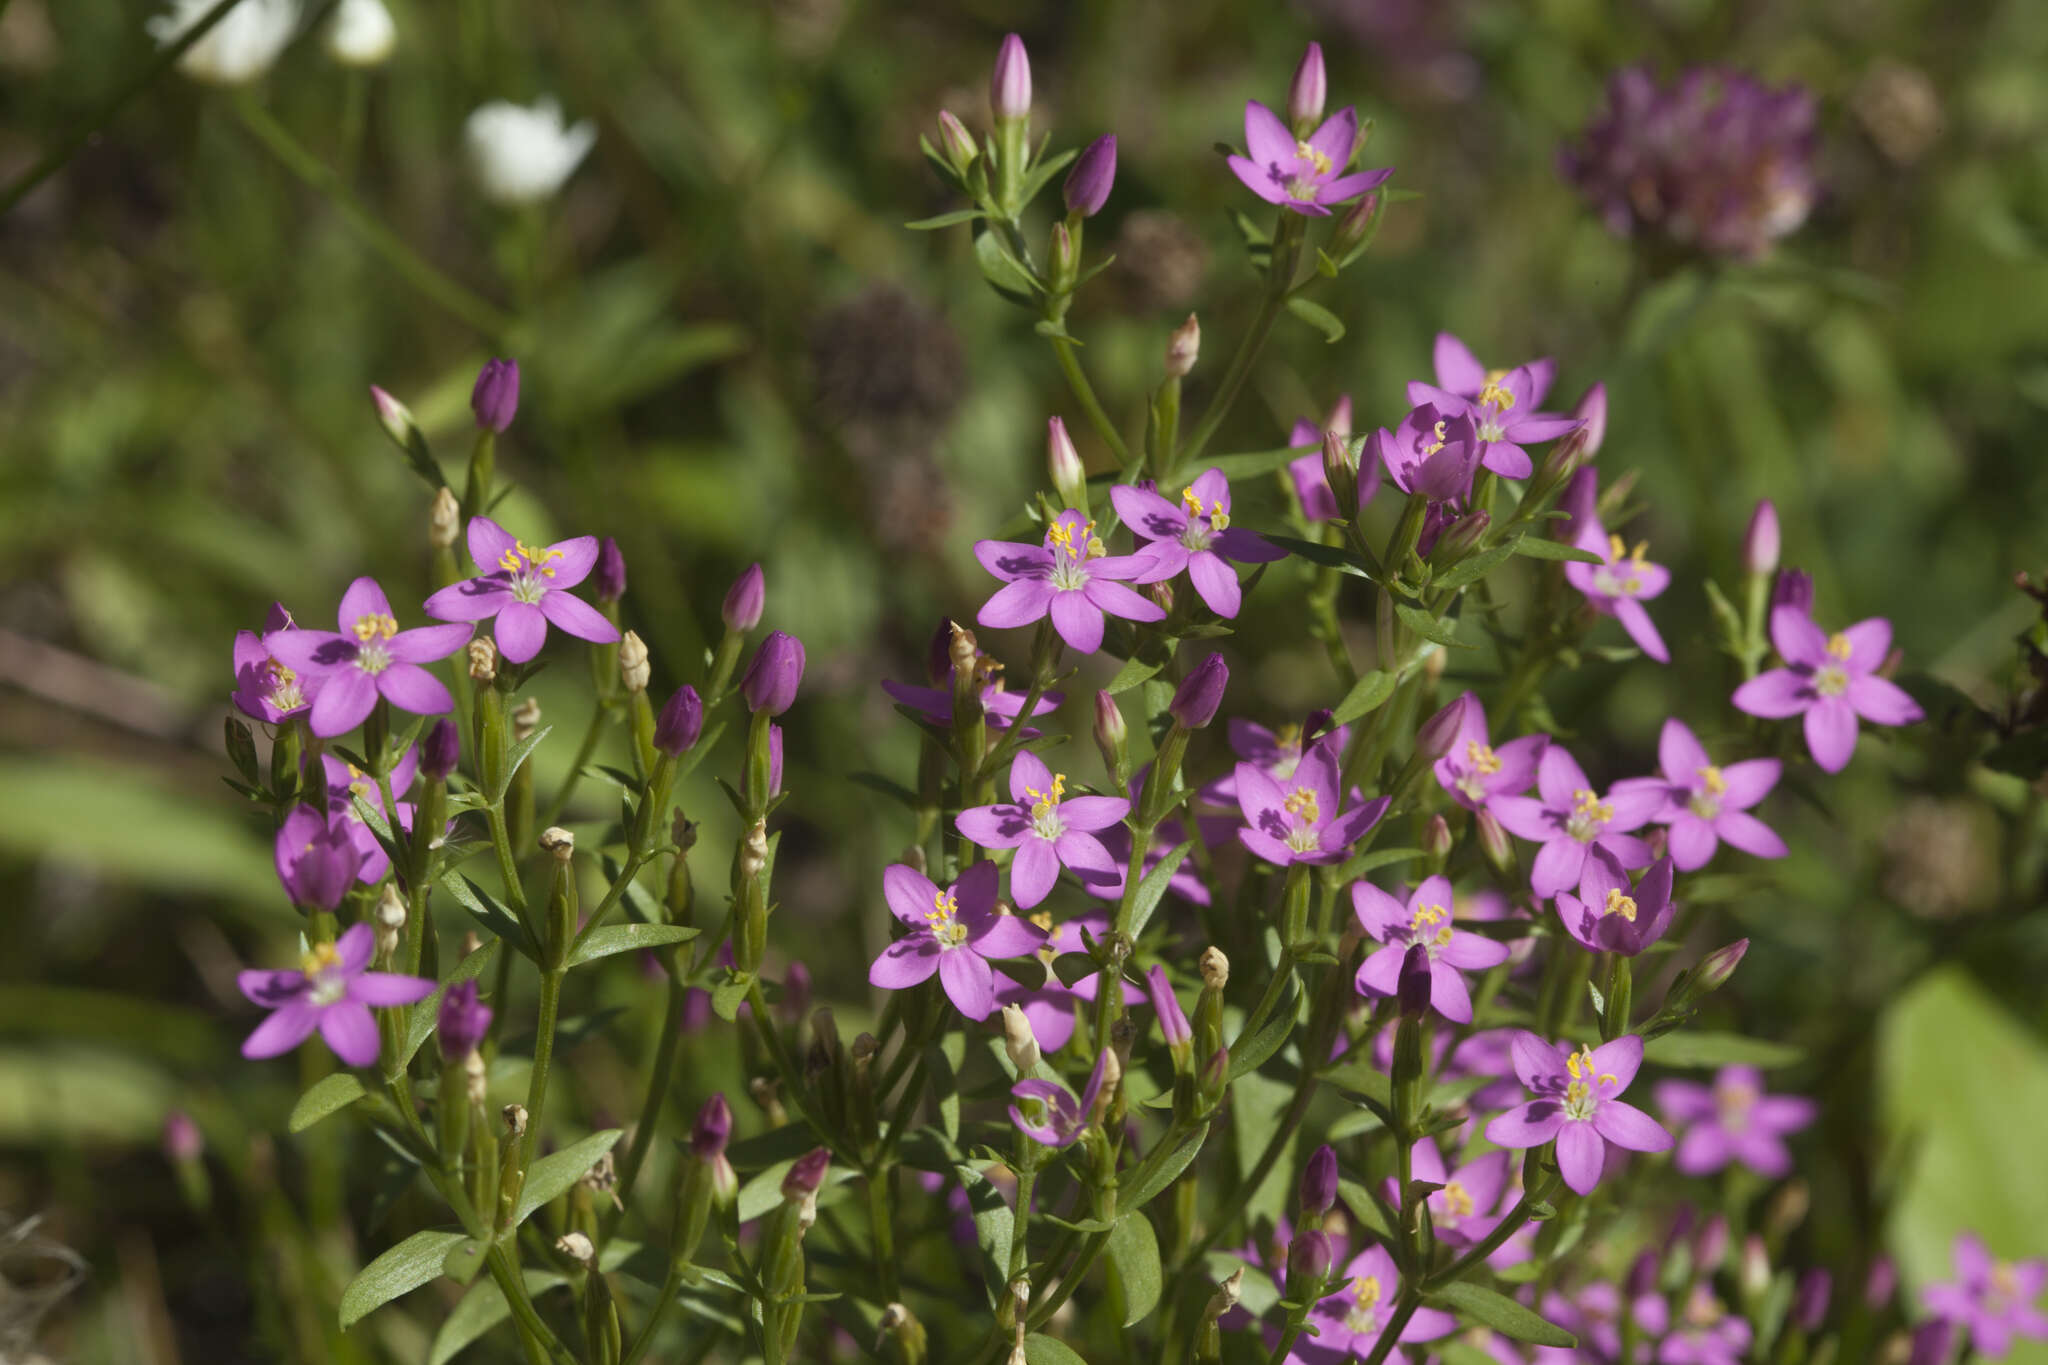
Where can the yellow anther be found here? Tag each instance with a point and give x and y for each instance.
(1428, 917)
(944, 927)
(1191, 500)
(1313, 157)
(1618, 904)
(1711, 777)
(1443, 937)
(321, 957)
(522, 556)
(1301, 802)
(376, 625)
(1590, 805)
(1458, 1201)
(1580, 1064)
(1043, 802)
(1493, 395)
(1482, 758)
(1366, 1289)
(1839, 647)
(1438, 444)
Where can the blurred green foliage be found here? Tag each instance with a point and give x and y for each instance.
(733, 351)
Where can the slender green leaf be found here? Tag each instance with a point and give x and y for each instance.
(1134, 1252)
(1001, 268)
(1152, 1180)
(1133, 672)
(1366, 695)
(1501, 1313)
(624, 938)
(1040, 1349)
(552, 1175)
(1362, 863)
(325, 1097)
(481, 1309)
(1153, 886)
(520, 751)
(992, 1225)
(1318, 317)
(1476, 567)
(1248, 1054)
(1695, 1048)
(1435, 629)
(400, 1270)
(488, 912)
(1535, 547)
(944, 220)
(1329, 556)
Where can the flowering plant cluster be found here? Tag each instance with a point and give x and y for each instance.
(1403, 956)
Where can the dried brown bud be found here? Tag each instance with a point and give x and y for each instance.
(577, 1248)
(633, 667)
(483, 660)
(1215, 969)
(515, 1120)
(525, 719)
(444, 522)
(559, 842)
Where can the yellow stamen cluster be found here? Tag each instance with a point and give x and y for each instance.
(1619, 904)
(1588, 805)
(1839, 647)
(1043, 802)
(1301, 802)
(1620, 556)
(376, 625)
(1218, 516)
(1493, 395)
(1364, 1314)
(1079, 543)
(522, 556)
(1584, 1078)
(1458, 1201)
(1046, 950)
(1711, 778)
(321, 957)
(1482, 758)
(949, 931)
(1431, 923)
(1438, 444)
(1313, 157)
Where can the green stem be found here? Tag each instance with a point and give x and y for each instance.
(1391, 1333)
(657, 1091)
(1020, 1216)
(612, 895)
(543, 1055)
(882, 1223)
(671, 1285)
(576, 765)
(1077, 380)
(1279, 279)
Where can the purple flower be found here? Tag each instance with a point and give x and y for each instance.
(1311, 483)
(316, 861)
(1186, 883)
(1704, 804)
(744, 601)
(1094, 172)
(1052, 1116)
(1069, 577)
(1048, 828)
(346, 782)
(1570, 819)
(1619, 585)
(1610, 916)
(1433, 453)
(1304, 175)
(440, 751)
(463, 1021)
(1299, 821)
(1200, 693)
(1733, 1120)
(525, 589)
(1501, 404)
(1463, 1212)
(1348, 1322)
(332, 992)
(265, 689)
(954, 933)
(774, 674)
(1049, 1008)
(1277, 753)
(495, 398)
(367, 658)
(1009, 86)
(1424, 922)
(1577, 1103)
(681, 721)
(1830, 679)
(1475, 773)
(1994, 1299)
(1309, 88)
(1196, 536)
(608, 580)
(999, 706)
(1706, 1333)
(1173, 1020)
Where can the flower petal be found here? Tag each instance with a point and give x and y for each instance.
(1091, 813)
(1557, 867)
(521, 631)
(1004, 826)
(1748, 782)
(1620, 1059)
(389, 989)
(363, 598)
(1016, 604)
(1797, 638)
(1679, 753)
(1869, 641)
(909, 893)
(473, 599)
(1775, 694)
(1744, 831)
(1011, 560)
(1217, 583)
(1457, 369)
(1830, 732)
(969, 983)
(351, 1031)
(489, 543)
(1118, 600)
(1580, 1155)
(345, 701)
(1538, 1065)
(1559, 778)
(1448, 994)
(411, 688)
(1148, 514)
(905, 963)
(1883, 703)
(1526, 1125)
(1002, 936)
(1033, 872)
(578, 618)
(1636, 621)
(1078, 621)
(1266, 138)
(1624, 1125)
(573, 560)
(291, 1024)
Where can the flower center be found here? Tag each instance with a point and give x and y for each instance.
(321, 966)
(943, 922)
(1045, 807)
(1431, 927)
(1732, 1102)
(1047, 950)
(1589, 816)
(1202, 525)
(1365, 1304)
(1581, 1095)
(1839, 648)
(1622, 574)
(372, 629)
(1832, 680)
(1706, 801)
(529, 568)
(1304, 836)
(1310, 168)
(1492, 395)
(1457, 1203)
(1073, 543)
(1618, 904)
(285, 692)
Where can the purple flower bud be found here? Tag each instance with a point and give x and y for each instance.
(1592, 410)
(1184, 347)
(1093, 174)
(958, 142)
(807, 1174)
(680, 722)
(1009, 88)
(1716, 967)
(1810, 1300)
(1201, 692)
(1319, 1180)
(1882, 1282)
(495, 399)
(1412, 987)
(316, 860)
(712, 1130)
(1642, 1275)
(771, 679)
(182, 1139)
(1461, 538)
(1173, 1021)
(744, 600)
(1760, 542)
(1495, 843)
(1441, 730)
(1711, 1245)
(1309, 1256)
(440, 750)
(393, 416)
(1063, 463)
(1317, 724)
(1793, 588)
(1309, 89)
(1111, 734)
(463, 1022)
(1932, 1342)
(608, 581)
(1436, 837)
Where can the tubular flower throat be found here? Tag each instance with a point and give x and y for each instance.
(1311, 168)
(1301, 804)
(529, 567)
(321, 965)
(943, 921)
(1431, 927)
(1496, 400)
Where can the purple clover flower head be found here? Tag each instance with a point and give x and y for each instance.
(463, 1021)
(440, 751)
(745, 600)
(1070, 577)
(1049, 1007)
(1048, 828)
(1195, 535)
(680, 723)
(1200, 693)
(1570, 819)
(1733, 1120)
(495, 399)
(1991, 1299)
(1277, 753)
(1094, 172)
(954, 933)
(1425, 922)
(332, 991)
(265, 689)
(772, 677)
(1433, 453)
(1466, 1209)
(1715, 161)
(1348, 1322)
(1831, 680)
(1475, 773)
(525, 589)
(608, 581)
(1303, 175)
(346, 782)
(1578, 1104)
(1704, 803)
(1619, 585)
(1610, 916)
(317, 861)
(1047, 1112)
(1299, 821)
(368, 657)
(1501, 404)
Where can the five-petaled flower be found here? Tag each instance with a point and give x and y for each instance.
(1463, 1212)
(346, 782)
(1348, 1322)
(1475, 772)
(1049, 1008)
(1577, 1103)
(1298, 821)
(954, 932)
(1994, 1299)
(1733, 1120)
(1432, 453)
(333, 992)
(1195, 535)
(1623, 580)
(1047, 1112)
(1705, 803)
(367, 658)
(317, 861)
(1048, 828)
(265, 689)
(1571, 821)
(1610, 916)
(1305, 175)
(1831, 680)
(1501, 404)
(1426, 920)
(525, 588)
(1070, 577)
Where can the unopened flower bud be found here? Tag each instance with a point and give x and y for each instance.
(634, 670)
(1495, 843)
(444, 518)
(182, 1140)
(1308, 1256)
(771, 679)
(1112, 736)
(483, 660)
(1063, 464)
(558, 842)
(1441, 730)
(1340, 471)
(1592, 411)
(1413, 985)
(1319, 1182)
(1932, 1342)
(515, 1119)
(681, 722)
(1183, 348)
(1754, 1270)
(608, 579)
(1200, 693)
(1460, 538)
(900, 1325)
(1173, 1021)
(440, 750)
(1355, 226)
(1793, 588)
(1215, 968)
(577, 1248)
(1716, 967)
(957, 142)
(807, 1174)
(1436, 837)
(1566, 459)
(394, 417)
(1063, 259)
(495, 399)
(1019, 1041)
(1810, 1300)
(463, 1021)
(1711, 1245)
(1009, 87)
(744, 601)
(525, 719)
(1760, 541)
(1308, 90)
(1881, 1283)
(1093, 174)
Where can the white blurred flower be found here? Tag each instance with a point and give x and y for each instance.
(362, 33)
(241, 47)
(522, 155)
